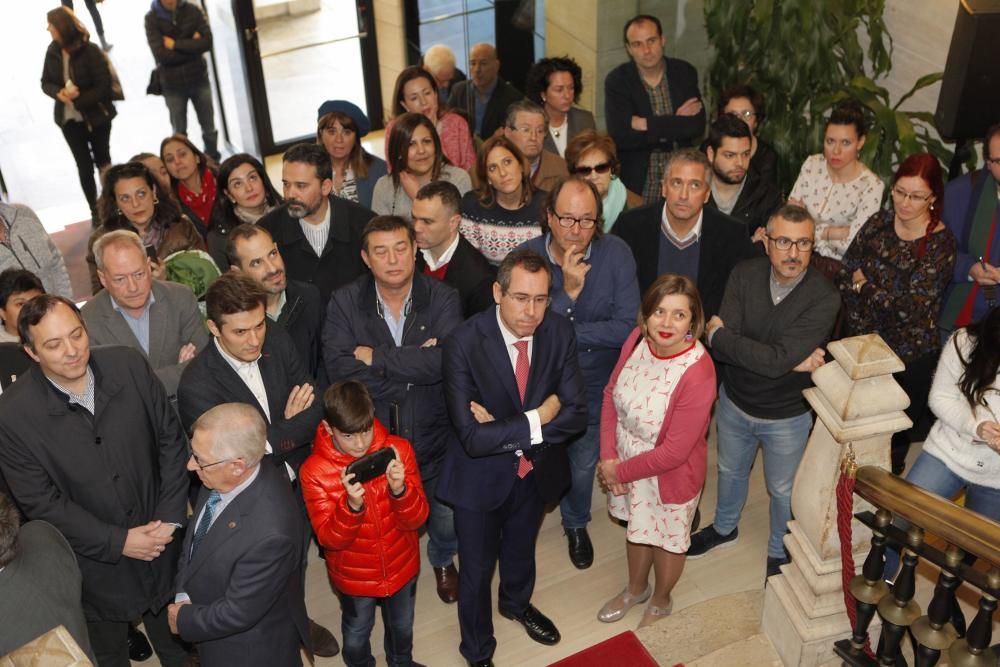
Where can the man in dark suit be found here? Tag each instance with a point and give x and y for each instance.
(444, 252)
(485, 96)
(737, 190)
(292, 304)
(90, 443)
(682, 235)
(318, 233)
(239, 584)
(253, 361)
(516, 397)
(160, 319)
(40, 582)
(652, 106)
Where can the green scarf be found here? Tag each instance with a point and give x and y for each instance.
(614, 202)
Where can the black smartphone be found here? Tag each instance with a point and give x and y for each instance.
(151, 252)
(370, 466)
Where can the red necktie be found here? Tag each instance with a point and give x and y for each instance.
(521, 368)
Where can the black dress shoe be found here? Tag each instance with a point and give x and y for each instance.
(138, 646)
(324, 644)
(581, 551)
(481, 663)
(537, 625)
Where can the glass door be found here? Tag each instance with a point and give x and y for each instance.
(300, 53)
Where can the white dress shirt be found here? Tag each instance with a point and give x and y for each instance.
(534, 421)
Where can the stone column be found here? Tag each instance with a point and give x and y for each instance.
(858, 405)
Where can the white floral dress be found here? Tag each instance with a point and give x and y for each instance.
(642, 395)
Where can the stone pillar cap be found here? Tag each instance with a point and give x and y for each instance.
(865, 356)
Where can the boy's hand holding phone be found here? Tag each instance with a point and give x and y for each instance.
(395, 473)
(355, 491)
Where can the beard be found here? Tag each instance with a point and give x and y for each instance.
(298, 209)
(726, 178)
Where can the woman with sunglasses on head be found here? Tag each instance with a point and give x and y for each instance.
(893, 280)
(417, 92)
(340, 128)
(77, 76)
(555, 84)
(245, 195)
(592, 155)
(747, 104)
(192, 177)
(505, 210)
(837, 189)
(415, 159)
(132, 199)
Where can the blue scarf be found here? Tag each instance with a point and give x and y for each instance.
(614, 202)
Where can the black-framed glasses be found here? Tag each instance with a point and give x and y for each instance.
(202, 466)
(785, 243)
(601, 168)
(568, 221)
(995, 161)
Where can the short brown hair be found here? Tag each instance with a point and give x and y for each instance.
(591, 140)
(666, 285)
(348, 407)
(553, 196)
(243, 232)
(36, 309)
(527, 259)
(233, 293)
(386, 223)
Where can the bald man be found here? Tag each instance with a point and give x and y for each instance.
(485, 96)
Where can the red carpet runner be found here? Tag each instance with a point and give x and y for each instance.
(623, 649)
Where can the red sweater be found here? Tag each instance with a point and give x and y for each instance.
(374, 552)
(678, 460)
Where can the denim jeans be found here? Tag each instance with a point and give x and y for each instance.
(583, 455)
(442, 543)
(784, 441)
(201, 97)
(358, 619)
(931, 474)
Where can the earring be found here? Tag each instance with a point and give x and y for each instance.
(689, 335)
(118, 211)
(155, 200)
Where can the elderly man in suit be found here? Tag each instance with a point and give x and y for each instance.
(516, 397)
(239, 584)
(160, 319)
(90, 443)
(252, 360)
(485, 96)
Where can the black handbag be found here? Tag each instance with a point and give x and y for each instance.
(154, 87)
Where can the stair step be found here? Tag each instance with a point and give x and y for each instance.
(754, 651)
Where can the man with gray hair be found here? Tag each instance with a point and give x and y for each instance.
(681, 235)
(439, 61)
(527, 126)
(240, 595)
(159, 318)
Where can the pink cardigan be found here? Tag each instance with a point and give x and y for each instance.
(678, 460)
(456, 141)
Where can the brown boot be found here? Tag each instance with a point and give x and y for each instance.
(447, 583)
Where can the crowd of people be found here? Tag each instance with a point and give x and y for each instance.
(510, 305)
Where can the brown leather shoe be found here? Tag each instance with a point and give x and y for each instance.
(447, 583)
(324, 644)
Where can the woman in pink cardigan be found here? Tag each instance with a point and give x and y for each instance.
(417, 92)
(656, 410)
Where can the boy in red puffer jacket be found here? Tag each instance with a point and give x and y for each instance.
(369, 530)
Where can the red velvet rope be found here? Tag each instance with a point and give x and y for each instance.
(845, 512)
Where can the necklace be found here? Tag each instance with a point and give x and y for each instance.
(556, 132)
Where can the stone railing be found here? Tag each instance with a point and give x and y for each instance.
(941, 630)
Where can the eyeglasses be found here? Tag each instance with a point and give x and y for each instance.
(915, 197)
(742, 115)
(202, 466)
(529, 131)
(995, 161)
(601, 168)
(568, 221)
(785, 243)
(523, 300)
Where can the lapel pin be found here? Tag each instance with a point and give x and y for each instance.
(232, 524)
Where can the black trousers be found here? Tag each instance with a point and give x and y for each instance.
(109, 639)
(90, 148)
(94, 14)
(915, 380)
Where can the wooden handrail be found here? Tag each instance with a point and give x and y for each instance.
(967, 530)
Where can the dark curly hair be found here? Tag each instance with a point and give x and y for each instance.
(165, 213)
(538, 77)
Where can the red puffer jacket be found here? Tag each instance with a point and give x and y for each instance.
(374, 552)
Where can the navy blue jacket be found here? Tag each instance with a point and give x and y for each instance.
(480, 470)
(403, 380)
(603, 315)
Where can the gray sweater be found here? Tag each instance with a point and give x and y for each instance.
(761, 342)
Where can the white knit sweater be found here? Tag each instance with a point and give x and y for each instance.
(953, 437)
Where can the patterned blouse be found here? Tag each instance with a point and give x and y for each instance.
(903, 296)
(495, 231)
(836, 204)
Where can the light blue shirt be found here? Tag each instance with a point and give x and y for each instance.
(138, 325)
(396, 327)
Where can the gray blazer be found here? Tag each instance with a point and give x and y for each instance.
(577, 120)
(174, 321)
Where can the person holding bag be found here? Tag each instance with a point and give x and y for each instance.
(77, 75)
